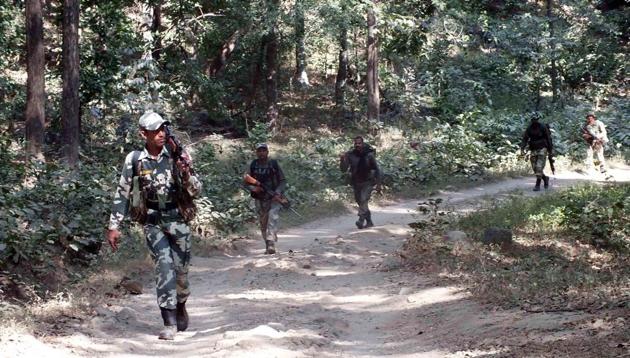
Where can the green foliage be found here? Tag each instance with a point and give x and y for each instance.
(12, 37)
(563, 241)
(599, 215)
(594, 214)
(59, 208)
(108, 42)
(258, 133)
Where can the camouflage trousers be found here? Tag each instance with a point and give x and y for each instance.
(598, 150)
(169, 244)
(362, 194)
(538, 159)
(269, 215)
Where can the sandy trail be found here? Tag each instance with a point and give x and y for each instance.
(332, 291)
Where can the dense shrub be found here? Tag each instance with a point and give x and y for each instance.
(598, 215)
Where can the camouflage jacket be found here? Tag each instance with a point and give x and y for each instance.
(158, 175)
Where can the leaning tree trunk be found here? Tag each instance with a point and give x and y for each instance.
(342, 70)
(35, 96)
(226, 51)
(372, 68)
(552, 44)
(271, 59)
(156, 24)
(301, 76)
(70, 106)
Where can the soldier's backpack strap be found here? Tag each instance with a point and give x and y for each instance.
(135, 163)
(252, 166)
(274, 172)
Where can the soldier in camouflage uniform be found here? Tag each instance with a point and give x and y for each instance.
(167, 235)
(270, 175)
(595, 136)
(364, 176)
(538, 136)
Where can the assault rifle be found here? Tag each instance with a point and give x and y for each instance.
(175, 146)
(552, 161)
(277, 197)
(183, 199)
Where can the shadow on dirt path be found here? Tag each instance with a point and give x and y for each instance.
(331, 291)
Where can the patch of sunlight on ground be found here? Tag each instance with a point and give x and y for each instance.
(397, 210)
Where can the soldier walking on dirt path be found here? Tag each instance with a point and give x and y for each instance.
(538, 136)
(268, 191)
(595, 136)
(149, 191)
(364, 176)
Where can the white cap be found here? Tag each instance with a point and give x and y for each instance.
(152, 121)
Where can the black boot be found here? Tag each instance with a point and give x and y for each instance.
(546, 181)
(270, 247)
(359, 223)
(182, 317)
(537, 186)
(170, 322)
(368, 220)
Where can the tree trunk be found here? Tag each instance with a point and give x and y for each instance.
(301, 76)
(224, 54)
(271, 59)
(256, 73)
(372, 68)
(35, 95)
(552, 44)
(70, 106)
(342, 70)
(156, 24)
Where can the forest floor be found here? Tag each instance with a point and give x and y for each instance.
(334, 291)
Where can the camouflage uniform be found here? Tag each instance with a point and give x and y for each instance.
(362, 183)
(598, 131)
(269, 174)
(167, 235)
(538, 137)
(538, 159)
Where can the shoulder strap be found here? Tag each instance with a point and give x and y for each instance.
(134, 162)
(252, 165)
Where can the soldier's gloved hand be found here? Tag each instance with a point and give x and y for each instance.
(112, 238)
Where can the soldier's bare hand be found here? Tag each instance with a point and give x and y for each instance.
(184, 168)
(112, 238)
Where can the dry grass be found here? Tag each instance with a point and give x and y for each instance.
(545, 268)
(62, 311)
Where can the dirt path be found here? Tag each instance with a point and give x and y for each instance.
(332, 291)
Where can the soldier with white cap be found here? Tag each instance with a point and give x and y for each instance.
(146, 192)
